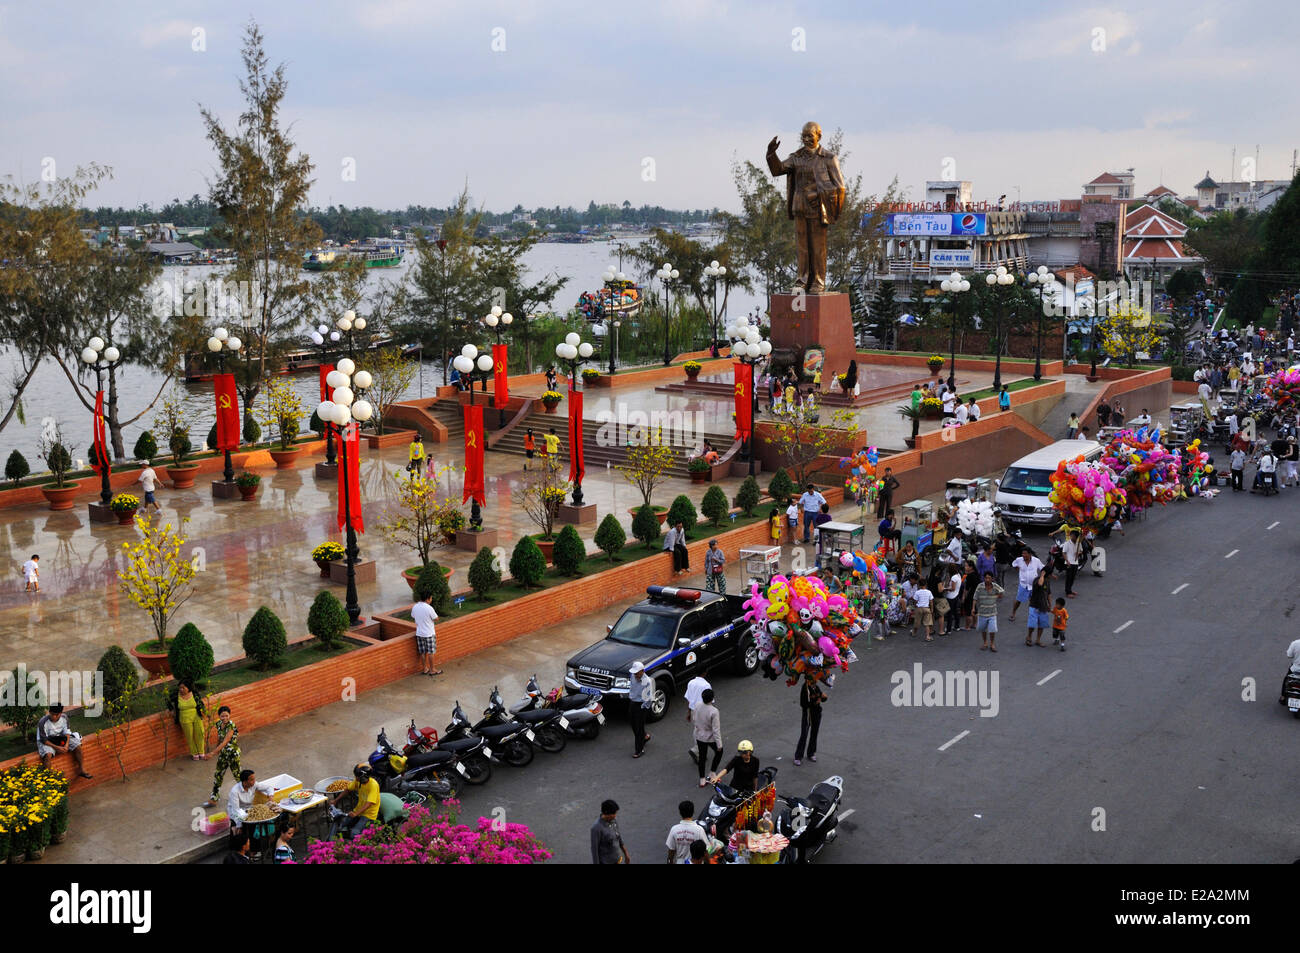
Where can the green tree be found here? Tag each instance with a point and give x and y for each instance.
(569, 551)
(781, 487)
(190, 656)
(23, 717)
(500, 265)
(433, 580)
(747, 496)
(264, 639)
(16, 467)
(261, 193)
(645, 525)
(484, 576)
(327, 620)
(682, 511)
(527, 564)
(146, 448)
(884, 311)
(120, 674)
(714, 505)
(610, 536)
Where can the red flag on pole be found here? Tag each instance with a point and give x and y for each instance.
(227, 411)
(474, 486)
(500, 364)
(325, 370)
(350, 452)
(101, 443)
(576, 469)
(744, 374)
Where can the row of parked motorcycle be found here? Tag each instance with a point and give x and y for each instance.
(433, 765)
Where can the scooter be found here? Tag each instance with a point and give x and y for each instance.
(1291, 693)
(472, 753)
(810, 823)
(719, 814)
(582, 713)
(548, 724)
(511, 742)
(432, 774)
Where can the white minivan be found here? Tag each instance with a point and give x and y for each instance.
(1023, 489)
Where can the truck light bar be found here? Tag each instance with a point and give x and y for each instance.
(671, 592)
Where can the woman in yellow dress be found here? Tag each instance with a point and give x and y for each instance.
(774, 526)
(189, 715)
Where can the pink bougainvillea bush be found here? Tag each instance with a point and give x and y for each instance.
(434, 837)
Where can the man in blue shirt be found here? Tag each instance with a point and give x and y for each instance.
(811, 503)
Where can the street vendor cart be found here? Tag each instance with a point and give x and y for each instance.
(833, 538)
(758, 564)
(917, 522)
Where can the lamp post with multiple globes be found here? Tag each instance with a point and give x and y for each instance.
(498, 322)
(611, 314)
(715, 273)
(346, 408)
(222, 343)
(323, 338)
(998, 280)
(954, 284)
(101, 358)
(573, 352)
(1046, 284)
(667, 274)
(749, 347)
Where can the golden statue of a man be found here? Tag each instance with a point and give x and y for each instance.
(814, 196)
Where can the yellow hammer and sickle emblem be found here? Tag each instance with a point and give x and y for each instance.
(224, 402)
(740, 389)
(471, 439)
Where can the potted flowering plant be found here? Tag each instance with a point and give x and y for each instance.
(589, 375)
(699, 470)
(283, 413)
(326, 553)
(124, 505)
(934, 362)
(248, 484)
(932, 406)
(173, 420)
(551, 399)
(692, 369)
(56, 456)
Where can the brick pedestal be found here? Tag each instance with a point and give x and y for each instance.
(577, 514)
(803, 321)
(327, 471)
(99, 513)
(364, 571)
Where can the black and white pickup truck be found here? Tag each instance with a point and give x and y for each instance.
(676, 634)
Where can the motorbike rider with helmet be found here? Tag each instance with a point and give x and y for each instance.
(366, 813)
(743, 767)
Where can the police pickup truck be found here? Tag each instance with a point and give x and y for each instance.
(676, 634)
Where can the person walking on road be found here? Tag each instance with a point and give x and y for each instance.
(986, 612)
(1060, 619)
(607, 845)
(811, 697)
(1027, 566)
(715, 561)
(683, 834)
(1071, 549)
(640, 696)
(148, 481)
(706, 725)
(1237, 467)
(694, 690)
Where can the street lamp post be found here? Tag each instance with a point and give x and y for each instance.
(349, 324)
(345, 409)
(497, 321)
(472, 364)
(748, 346)
(101, 358)
(996, 280)
(573, 352)
(954, 284)
(323, 338)
(666, 274)
(220, 344)
(609, 278)
(714, 271)
(1045, 282)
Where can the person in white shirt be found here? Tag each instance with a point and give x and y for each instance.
(694, 689)
(923, 618)
(950, 403)
(792, 518)
(811, 504)
(1203, 389)
(962, 414)
(1233, 424)
(148, 481)
(1026, 566)
(31, 571)
(1143, 419)
(1071, 549)
(1266, 472)
(426, 642)
(241, 796)
(973, 410)
(683, 834)
(1293, 653)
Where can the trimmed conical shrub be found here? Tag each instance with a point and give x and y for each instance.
(264, 639)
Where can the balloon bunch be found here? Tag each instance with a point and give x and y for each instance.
(1083, 492)
(802, 630)
(1195, 468)
(1283, 389)
(862, 470)
(975, 516)
(863, 564)
(1145, 468)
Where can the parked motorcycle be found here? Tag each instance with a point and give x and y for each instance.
(473, 753)
(510, 742)
(1291, 693)
(548, 724)
(433, 774)
(718, 816)
(582, 713)
(810, 823)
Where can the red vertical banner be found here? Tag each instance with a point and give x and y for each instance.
(350, 477)
(501, 366)
(325, 370)
(101, 442)
(227, 411)
(576, 469)
(474, 486)
(744, 374)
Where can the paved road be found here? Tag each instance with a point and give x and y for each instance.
(1143, 732)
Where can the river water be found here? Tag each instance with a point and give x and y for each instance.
(50, 394)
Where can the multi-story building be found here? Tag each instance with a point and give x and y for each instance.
(1255, 196)
(1115, 185)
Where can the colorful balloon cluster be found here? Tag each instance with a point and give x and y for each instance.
(1283, 389)
(863, 564)
(1144, 467)
(862, 470)
(1083, 492)
(802, 630)
(1195, 468)
(975, 516)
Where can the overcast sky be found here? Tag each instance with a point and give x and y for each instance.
(652, 102)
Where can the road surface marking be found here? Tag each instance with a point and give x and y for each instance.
(1180, 589)
(948, 744)
(845, 815)
(1124, 626)
(1049, 677)
(1272, 524)
(1231, 554)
